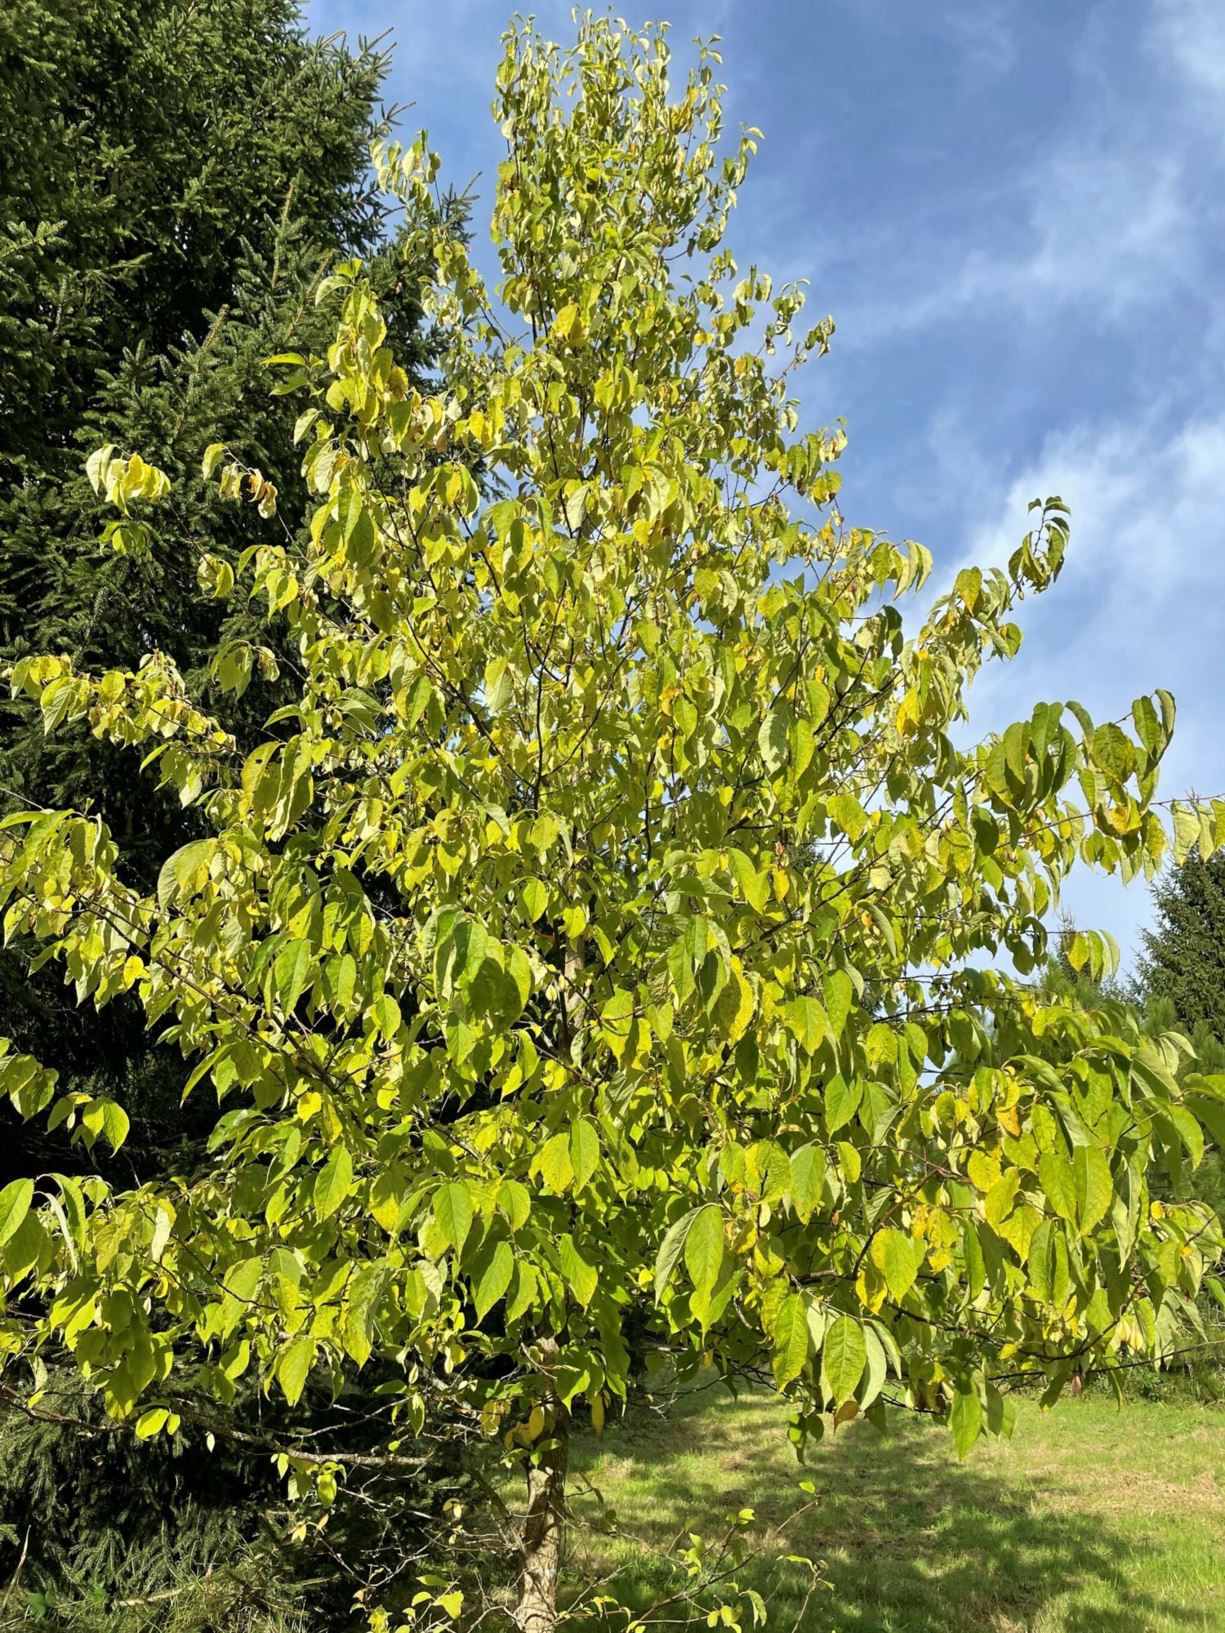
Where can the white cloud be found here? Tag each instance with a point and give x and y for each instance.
(1102, 228)
(1190, 36)
(1137, 607)
(985, 32)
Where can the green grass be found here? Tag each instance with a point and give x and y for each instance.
(1091, 1520)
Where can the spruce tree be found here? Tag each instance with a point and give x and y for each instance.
(180, 174)
(1184, 955)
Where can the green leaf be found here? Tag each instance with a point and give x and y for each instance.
(554, 1163)
(1186, 831)
(385, 1013)
(752, 885)
(95, 466)
(577, 1272)
(808, 1021)
(965, 1416)
(616, 1019)
(670, 1251)
(704, 1247)
(492, 1277)
(360, 1310)
(293, 1368)
(774, 736)
(843, 1358)
(789, 1331)
(876, 1368)
(807, 1180)
(1059, 1184)
(340, 978)
(841, 1101)
(15, 1200)
(334, 1182)
(1094, 1186)
(999, 1200)
(453, 1213)
(184, 872)
(115, 1123)
(291, 973)
(534, 899)
(839, 995)
(584, 1150)
(849, 815)
(880, 1046)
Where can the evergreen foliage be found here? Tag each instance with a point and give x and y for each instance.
(178, 178)
(103, 1532)
(1184, 955)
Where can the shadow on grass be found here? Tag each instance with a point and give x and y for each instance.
(908, 1541)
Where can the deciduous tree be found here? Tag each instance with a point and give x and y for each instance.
(582, 961)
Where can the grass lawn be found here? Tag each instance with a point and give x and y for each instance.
(1091, 1520)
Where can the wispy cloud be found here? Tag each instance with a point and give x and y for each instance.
(1090, 226)
(985, 33)
(1137, 607)
(1190, 36)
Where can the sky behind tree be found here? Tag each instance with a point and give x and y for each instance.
(1013, 210)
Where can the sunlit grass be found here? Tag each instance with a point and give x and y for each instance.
(1091, 1520)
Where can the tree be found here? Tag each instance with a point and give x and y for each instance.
(581, 961)
(177, 178)
(1184, 956)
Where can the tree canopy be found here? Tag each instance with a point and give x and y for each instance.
(582, 960)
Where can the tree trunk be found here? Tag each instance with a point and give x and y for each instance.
(544, 1532)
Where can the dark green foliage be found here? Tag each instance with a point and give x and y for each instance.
(178, 174)
(1184, 956)
(103, 1533)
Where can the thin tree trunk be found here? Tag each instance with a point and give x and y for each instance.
(544, 1532)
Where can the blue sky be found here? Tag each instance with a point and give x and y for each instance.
(1014, 211)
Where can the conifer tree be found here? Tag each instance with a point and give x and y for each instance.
(1184, 956)
(178, 178)
(179, 175)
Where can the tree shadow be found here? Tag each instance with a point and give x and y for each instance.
(908, 1541)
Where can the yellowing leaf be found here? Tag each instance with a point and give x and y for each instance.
(897, 1256)
(151, 1422)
